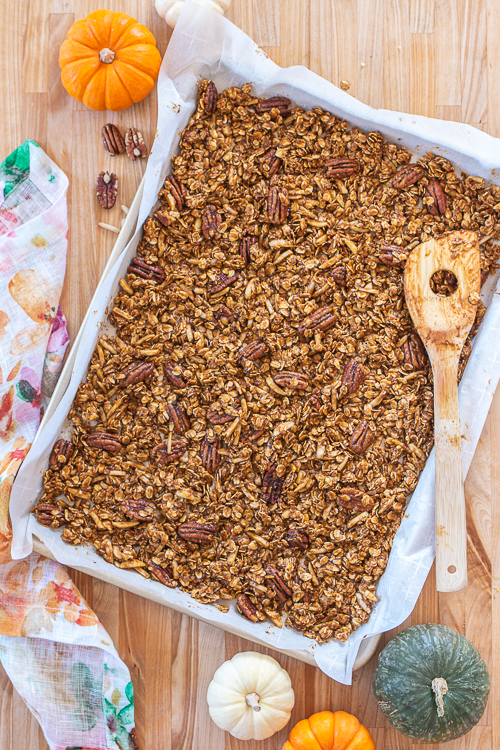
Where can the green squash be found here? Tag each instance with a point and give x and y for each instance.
(431, 683)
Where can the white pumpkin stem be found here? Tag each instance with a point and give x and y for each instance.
(440, 688)
(106, 55)
(252, 700)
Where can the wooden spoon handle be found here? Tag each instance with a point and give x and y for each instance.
(451, 525)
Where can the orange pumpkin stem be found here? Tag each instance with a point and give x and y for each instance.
(106, 55)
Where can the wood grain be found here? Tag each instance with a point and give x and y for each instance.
(435, 57)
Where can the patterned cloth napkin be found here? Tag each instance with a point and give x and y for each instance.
(53, 647)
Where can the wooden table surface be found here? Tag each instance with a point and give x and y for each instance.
(433, 57)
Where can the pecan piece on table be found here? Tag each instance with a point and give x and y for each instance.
(278, 584)
(104, 441)
(222, 283)
(61, 453)
(223, 312)
(252, 351)
(163, 573)
(281, 103)
(407, 176)
(340, 275)
(415, 356)
(139, 509)
(107, 189)
(361, 438)
(112, 139)
(270, 164)
(136, 372)
(197, 533)
(134, 143)
(172, 377)
(296, 538)
(392, 256)
(218, 417)
(211, 222)
(246, 608)
(50, 515)
(277, 205)
(320, 320)
(353, 499)
(140, 268)
(485, 272)
(353, 376)
(245, 245)
(436, 193)
(177, 191)
(340, 168)
(272, 486)
(297, 380)
(209, 453)
(179, 418)
(177, 449)
(211, 98)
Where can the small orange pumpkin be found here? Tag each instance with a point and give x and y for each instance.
(329, 731)
(109, 61)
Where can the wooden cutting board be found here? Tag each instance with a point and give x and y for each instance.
(433, 57)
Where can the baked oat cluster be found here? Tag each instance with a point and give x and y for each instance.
(254, 428)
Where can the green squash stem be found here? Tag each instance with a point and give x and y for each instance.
(440, 688)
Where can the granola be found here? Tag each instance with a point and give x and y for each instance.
(254, 428)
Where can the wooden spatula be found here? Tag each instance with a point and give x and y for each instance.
(443, 323)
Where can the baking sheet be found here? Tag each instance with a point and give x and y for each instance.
(205, 44)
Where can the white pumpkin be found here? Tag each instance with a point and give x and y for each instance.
(170, 9)
(251, 696)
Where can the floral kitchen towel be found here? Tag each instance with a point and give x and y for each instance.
(52, 646)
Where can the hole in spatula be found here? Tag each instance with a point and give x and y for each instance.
(452, 569)
(444, 283)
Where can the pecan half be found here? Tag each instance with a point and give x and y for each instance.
(361, 438)
(353, 499)
(245, 245)
(174, 379)
(281, 103)
(61, 453)
(211, 223)
(209, 453)
(177, 191)
(139, 509)
(140, 268)
(136, 372)
(222, 283)
(297, 380)
(436, 192)
(296, 538)
(415, 356)
(218, 417)
(163, 573)
(353, 376)
(107, 189)
(179, 418)
(392, 256)
(104, 441)
(250, 352)
(177, 449)
(211, 98)
(252, 436)
(277, 205)
(340, 168)
(340, 275)
(316, 400)
(272, 486)
(270, 164)
(50, 515)
(163, 216)
(246, 608)
(112, 139)
(134, 143)
(197, 533)
(407, 176)
(223, 312)
(320, 320)
(278, 584)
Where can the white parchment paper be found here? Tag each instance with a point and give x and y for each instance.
(206, 45)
